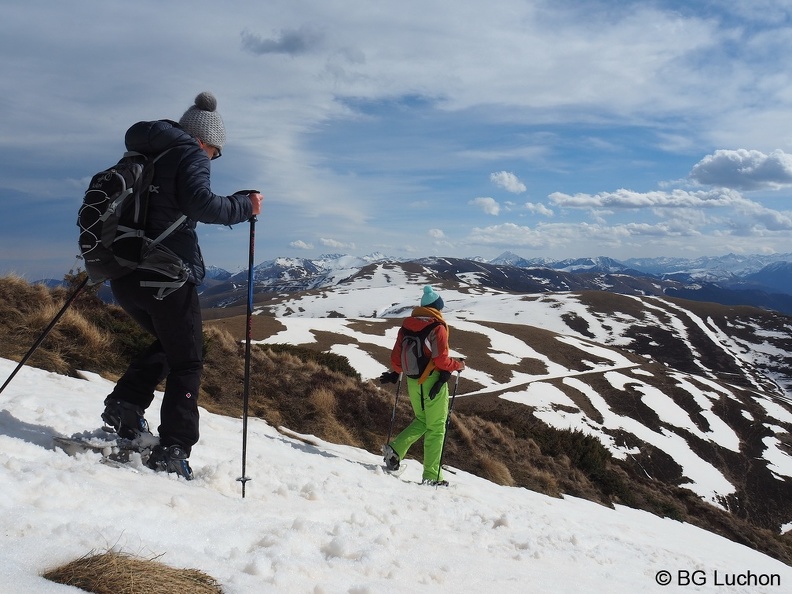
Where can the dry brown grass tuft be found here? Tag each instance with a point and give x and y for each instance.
(91, 335)
(542, 481)
(287, 390)
(17, 292)
(496, 471)
(75, 338)
(323, 400)
(119, 573)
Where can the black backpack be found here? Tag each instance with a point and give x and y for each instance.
(112, 222)
(414, 358)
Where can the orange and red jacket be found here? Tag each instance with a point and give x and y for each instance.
(437, 340)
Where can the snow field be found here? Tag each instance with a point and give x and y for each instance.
(315, 519)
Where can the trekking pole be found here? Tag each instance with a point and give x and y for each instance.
(393, 414)
(447, 425)
(41, 338)
(249, 336)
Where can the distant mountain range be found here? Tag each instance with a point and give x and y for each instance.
(755, 280)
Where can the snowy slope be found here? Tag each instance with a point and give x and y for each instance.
(323, 520)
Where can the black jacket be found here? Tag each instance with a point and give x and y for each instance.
(181, 186)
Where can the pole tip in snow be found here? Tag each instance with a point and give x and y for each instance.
(244, 480)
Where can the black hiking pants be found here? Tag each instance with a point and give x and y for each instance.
(175, 356)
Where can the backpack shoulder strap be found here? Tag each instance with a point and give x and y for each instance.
(167, 232)
(148, 174)
(128, 154)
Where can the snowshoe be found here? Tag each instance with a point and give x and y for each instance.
(391, 458)
(117, 450)
(434, 483)
(170, 459)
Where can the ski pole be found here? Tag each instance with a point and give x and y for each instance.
(249, 336)
(41, 338)
(447, 425)
(393, 414)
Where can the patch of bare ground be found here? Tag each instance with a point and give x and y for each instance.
(547, 343)
(610, 303)
(261, 326)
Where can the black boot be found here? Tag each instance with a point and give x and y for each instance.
(126, 419)
(170, 459)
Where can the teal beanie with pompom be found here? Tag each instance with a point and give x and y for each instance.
(431, 299)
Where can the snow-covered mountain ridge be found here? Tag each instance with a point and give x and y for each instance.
(761, 281)
(738, 265)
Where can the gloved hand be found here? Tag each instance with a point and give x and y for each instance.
(389, 377)
(255, 200)
(444, 377)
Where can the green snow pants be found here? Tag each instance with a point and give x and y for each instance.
(429, 423)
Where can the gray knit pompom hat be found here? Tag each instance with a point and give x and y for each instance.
(204, 122)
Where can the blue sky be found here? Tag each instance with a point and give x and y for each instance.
(552, 129)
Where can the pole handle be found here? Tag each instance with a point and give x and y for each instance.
(253, 218)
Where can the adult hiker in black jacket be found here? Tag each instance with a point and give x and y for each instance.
(181, 186)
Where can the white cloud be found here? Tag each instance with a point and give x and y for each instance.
(509, 234)
(335, 244)
(436, 234)
(658, 199)
(564, 236)
(508, 181)
(488, 205)
(301, 245)
(757, 216)
(539, 209)
(744, 169)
